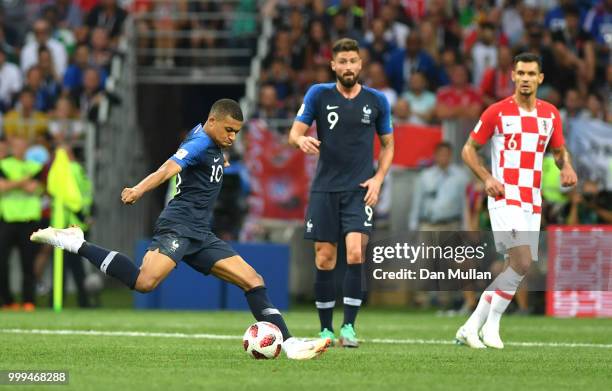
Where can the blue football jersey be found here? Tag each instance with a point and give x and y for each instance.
(346, 130)
(198, 184)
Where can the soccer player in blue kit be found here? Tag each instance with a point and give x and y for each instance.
(345, 187)
(183, 230)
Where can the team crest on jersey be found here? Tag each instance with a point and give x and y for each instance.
(366, 114)
(545, 126)
(309, 226)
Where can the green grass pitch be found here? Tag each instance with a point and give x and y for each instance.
(558, 354)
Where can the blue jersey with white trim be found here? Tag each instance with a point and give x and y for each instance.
(346, 130)
(198, 184)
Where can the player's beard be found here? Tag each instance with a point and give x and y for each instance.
(348, 83)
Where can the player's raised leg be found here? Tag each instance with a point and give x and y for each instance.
(236, 271)
(325, 286)
(155, 267)
(356, 243)
(506, 284)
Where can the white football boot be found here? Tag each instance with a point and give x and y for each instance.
(465, 336)
(69, 239)
(490, 336)
(296, 349)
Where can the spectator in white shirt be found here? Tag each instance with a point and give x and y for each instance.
(11, 82)
(29, 54)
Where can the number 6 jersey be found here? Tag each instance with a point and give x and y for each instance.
(346, 129)
(518, 141)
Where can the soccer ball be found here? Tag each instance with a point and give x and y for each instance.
(262, 341)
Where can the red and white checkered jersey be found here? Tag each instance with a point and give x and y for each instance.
(519, 139)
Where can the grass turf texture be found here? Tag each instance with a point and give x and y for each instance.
(145, 363)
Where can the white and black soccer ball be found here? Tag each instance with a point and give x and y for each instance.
(262, 341)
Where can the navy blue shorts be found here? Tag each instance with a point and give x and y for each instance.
(332, 215)
(200, 253)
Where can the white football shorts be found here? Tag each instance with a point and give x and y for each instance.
(513, 227)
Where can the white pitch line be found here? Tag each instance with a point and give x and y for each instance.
(237, 337)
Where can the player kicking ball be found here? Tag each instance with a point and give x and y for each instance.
(183, 230)
(345, 187)
(520, 128)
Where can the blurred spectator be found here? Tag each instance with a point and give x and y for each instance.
(62, 34)
(323, 74)
(69, 14)
(449, 57)
(280, 75)
(403, 62)
(555, 18)
(590, 205)
(484, 52)
(574, 52)
(107, 14)
(512, 23)
(378, 46)
(10, 82)
(422, 101)
(90, 95)
(298, 39)
(164, 23)
(354, 15)
(594, 108)
(269, 106)
(598, 23)
(432, 40)
(73, 79)
(396, 31)
(101, 53)
(9, 37)
(21, 210)
(445, 23)
(439, 194)
(65, 126)
(402, 113)
(51, 79)
(536, 43)
(318, 48)
(496, 83)
(376, 78)
(459, 100)
(29, 53)
(44, 98)
(572, 109)
(24, 120)
(341, 29)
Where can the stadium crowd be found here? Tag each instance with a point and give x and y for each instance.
(55, 56)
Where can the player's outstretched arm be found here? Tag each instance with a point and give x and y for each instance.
(170, 168)
(298, 138)
(469, 154)
(563, 161)
(384, 163)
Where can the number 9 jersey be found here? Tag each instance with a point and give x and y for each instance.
(198, 184)
(346, 130)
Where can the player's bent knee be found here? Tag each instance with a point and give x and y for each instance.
(146, 283)
(354, 256)
(325, 258)
(253, 282)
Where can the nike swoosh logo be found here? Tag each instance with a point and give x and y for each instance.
(217, 159)
(331, 107)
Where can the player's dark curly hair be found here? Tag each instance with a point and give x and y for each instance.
(225, 107)
(527, 57)
(345, 45)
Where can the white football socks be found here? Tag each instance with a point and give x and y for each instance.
(506, 285)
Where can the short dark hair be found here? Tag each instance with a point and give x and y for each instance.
(527, 57)
(345, 45)
(443, 145)
(224, 107)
